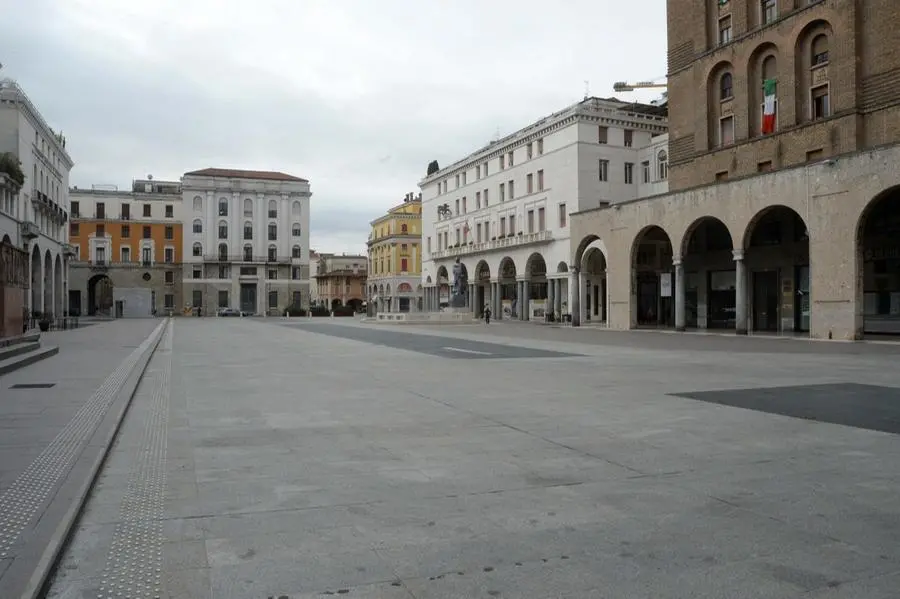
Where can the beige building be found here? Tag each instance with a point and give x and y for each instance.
(341, 280)
(789, 230)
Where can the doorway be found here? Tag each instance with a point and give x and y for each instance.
(248, 298)
(801, 304)
(765, 301)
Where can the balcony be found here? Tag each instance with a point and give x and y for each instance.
(494, 245)
(68, 250)
(30, 230)
(249, 258)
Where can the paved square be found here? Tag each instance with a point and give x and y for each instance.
(270, 461)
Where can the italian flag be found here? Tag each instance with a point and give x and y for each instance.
(768, 120)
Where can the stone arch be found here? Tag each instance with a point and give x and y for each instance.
(482, 272)
(536, 266)
(428, 280)
(689, 238)
(652, 278)
(248, 207)
(100, 295)
(877, 262)
(48, 282)
(720, 85)
(562, 267)
(7, 240)
(273, 209)
(37, 303)
(593, 266)
(296, 209)
(765, 215)
(579, 251)
(764, 63)
(811, 71)
(509, 295)
(710, 274)
(198, 204)
(58, 286)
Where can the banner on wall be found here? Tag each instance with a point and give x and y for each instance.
(537, 309)
(507, 307)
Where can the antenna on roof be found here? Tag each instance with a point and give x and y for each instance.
(587, 89)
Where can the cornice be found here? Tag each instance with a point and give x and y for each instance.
(18, 97)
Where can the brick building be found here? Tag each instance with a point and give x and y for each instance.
(791, 229)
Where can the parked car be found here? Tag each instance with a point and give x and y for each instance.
(229, 312)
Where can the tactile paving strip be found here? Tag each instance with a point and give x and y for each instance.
(21, 502)
(134, 562)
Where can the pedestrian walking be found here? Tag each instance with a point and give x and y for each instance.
(487, 315)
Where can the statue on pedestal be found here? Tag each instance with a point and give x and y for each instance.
(460, 288)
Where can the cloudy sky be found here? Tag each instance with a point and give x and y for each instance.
(357, 96)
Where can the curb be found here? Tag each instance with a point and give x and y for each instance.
(50, 556)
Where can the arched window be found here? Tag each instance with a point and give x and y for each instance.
(819, 50)
(198, 225)
(223, 206)
(223, 251)
(295, 230)
(198, 204)
(248, 230)
(662, 165)
(198, 249)
(273, 209)
(273, 231)
(295, 251)
(295, 209)
(273, 253)
(726, 87)
(223, 230)
(248, 207)
(248, 253)
(403, 228)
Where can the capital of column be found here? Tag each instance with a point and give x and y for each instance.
(676, 261)
(738, 255)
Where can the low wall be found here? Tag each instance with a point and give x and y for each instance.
(423, 317)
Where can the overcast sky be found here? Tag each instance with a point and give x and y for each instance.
(357, 96)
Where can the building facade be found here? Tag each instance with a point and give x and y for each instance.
(34, 213)
(246, 240)
(341, 281)
(503, 212)
(128, 249)
(786, 226)
(395, 258)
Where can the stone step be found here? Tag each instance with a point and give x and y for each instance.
(17, 339)
(10, 351)
(22, 360)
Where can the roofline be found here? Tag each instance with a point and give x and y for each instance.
(22, 99)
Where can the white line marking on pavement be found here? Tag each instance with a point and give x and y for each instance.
(467, 351)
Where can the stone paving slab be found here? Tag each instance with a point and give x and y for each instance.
(303, 465)
(54, 438)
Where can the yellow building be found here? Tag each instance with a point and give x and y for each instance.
(395, 258)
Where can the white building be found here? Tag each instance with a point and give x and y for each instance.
(503, 211)
(246, 240)
(34, 218)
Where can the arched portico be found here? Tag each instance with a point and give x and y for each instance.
(37, 278)
(653, 281)
(443, 287)
(593, 266)
(533, 289)
(709, 276)
(58, 287)
(878, 264)
(48, 284)
(776, 256)
(483, 288)
(100, 295)
(506, 278)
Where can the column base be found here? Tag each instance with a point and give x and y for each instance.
(680, 329)
(740, 331)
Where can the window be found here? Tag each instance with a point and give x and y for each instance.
(562, 215)
(531, 221)
(725, 30)
(477, 172)
(813, 155)
(248, 207)
(726, 89)
(198, 204)
(645, 171)
(629, 138)
(169, 300)
(404, 228)
(464, 177)
(197, 249)
(819, 51)
(273, 299)
(296, 231)
(272, 274)
(722, 176)
(662, 165)
(224, 271)
(540, 183)
(769, 11)
(273, 232)
(126, 253)
(146, 256)
(403, 265)
(169, 255)
(529, 150)
(457, 206)
(502, 162)
(764, 167)
(101, 210)
(248, 271)
(512, 189)
(197, 273)
(223, 298)
(726, 131)
(485, 198)
(126, 212)
(170, 277)
(198, 225)
(248, 230)
(542, 225)
(74, 208)
(223, 230)
(457, 182)
(273, 253)
(602, 134)
(502, 192)
(604, 170)
(148, 210)
(170, 232)
(248, 253)
(273, 209)
(821, 107)
(296, 209)
(511, 161)
(223, 207)
(100, 255)
(170, 211)
(223, 251)
(73, 230)
(147, 232)
(464, 207)
(295, 251)
(629, 173)
(540, 146)
(295, 275)
(512, 224)
(529, 183)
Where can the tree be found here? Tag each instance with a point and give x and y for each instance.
(432, 168)
(12, 166)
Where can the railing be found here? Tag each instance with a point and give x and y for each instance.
(495, 244)
(243, 258)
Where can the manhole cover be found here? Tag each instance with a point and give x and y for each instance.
(32, 385)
